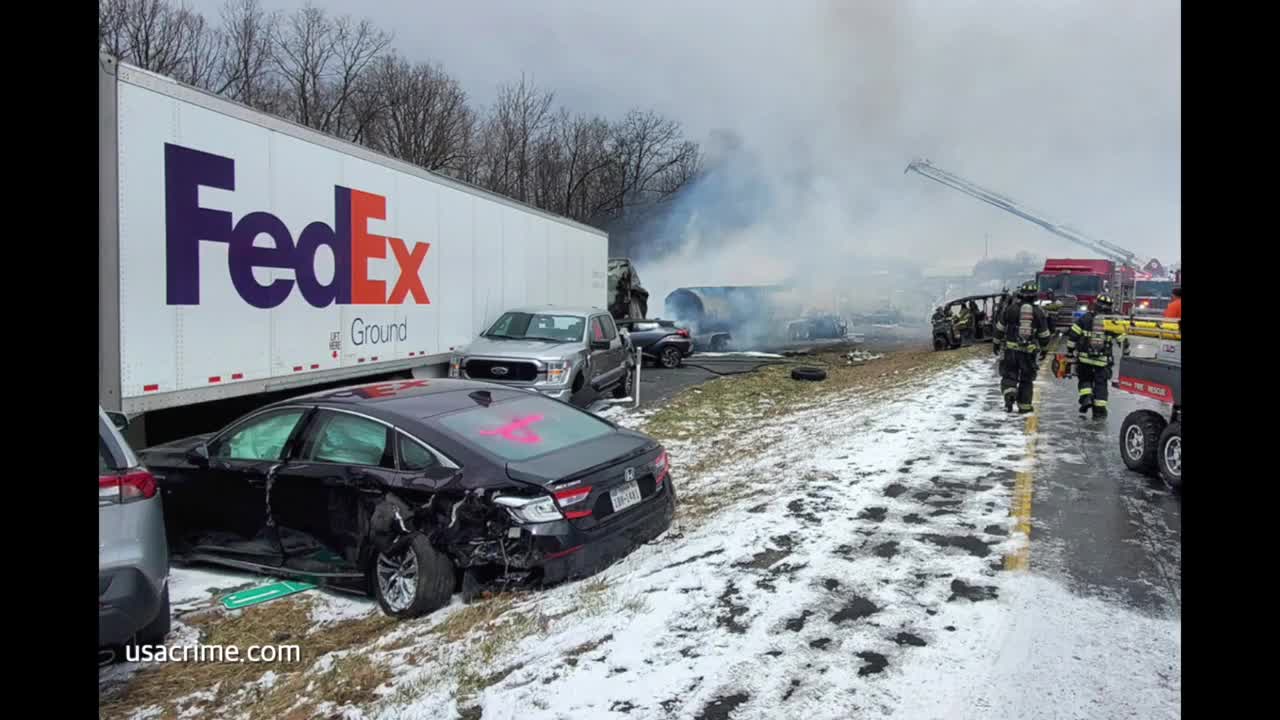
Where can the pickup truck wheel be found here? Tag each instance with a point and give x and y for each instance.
(1139, 440)
(670, 357)
(416, 580)
(1169, 456)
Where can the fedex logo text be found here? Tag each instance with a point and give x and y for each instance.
(187, 225)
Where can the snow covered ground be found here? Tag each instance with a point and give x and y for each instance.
(844, 560)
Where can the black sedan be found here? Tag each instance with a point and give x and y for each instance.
(659, 340)
(413, 489)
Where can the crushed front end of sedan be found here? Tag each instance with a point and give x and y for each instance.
(414, 490)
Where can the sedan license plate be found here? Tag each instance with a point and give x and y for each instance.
(625, 496)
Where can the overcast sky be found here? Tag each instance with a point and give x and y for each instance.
(1071, 107)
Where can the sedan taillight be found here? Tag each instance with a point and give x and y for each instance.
(127, 487)
(565, 498)
(660, 467)
(682, 332)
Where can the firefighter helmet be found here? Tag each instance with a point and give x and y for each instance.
(1028, 291)
(1103, 303)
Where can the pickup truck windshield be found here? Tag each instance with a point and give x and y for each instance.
(538, 326)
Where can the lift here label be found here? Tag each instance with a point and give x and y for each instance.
(187, 225)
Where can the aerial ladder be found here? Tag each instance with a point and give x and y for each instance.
(1110, 251)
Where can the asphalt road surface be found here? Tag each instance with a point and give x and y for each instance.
(1104, 529)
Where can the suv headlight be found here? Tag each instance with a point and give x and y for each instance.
(455, 366)
(530, 510)
(558, 371)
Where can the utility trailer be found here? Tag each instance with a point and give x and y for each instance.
(1151, 366)
(242, 254)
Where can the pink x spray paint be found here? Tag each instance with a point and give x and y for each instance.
(518, 430)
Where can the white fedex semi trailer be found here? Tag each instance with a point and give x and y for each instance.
(240, 253)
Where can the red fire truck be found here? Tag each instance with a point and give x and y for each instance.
(1074, 284)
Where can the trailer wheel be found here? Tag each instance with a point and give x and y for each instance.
(1140, 439)
(1170, 456)
(815, 374)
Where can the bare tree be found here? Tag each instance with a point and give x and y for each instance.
(651, 161)
(321, 62)
(157, 36)
(204, 53)
(336, 75)
(245, 73)
(425, 118)
(520, 116)
(585, 141)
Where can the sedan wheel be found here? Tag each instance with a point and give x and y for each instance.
(670, 357)
(413, 581)
(398, 579)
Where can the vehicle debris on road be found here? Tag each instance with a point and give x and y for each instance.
(860, 357)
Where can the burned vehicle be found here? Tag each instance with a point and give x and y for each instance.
(965, 320)
(628, 300)
(411, 490)
(818, 327)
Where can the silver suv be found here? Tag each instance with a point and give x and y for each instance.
(567, 353)
(133, 557)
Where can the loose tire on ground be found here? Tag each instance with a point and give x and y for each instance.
(1140, 439)
(670, 357)
(939, 342)
(813, 374)
(1169, 456)
(435, 580)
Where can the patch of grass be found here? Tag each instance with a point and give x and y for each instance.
(461, 623)
(770, 391)
(593, 595)
(636, 605)
(283, 622)
(349, 680)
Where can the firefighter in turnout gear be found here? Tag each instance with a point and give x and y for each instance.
(1090, 346)
(1022, 329)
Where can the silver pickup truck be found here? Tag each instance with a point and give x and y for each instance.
(567, 353)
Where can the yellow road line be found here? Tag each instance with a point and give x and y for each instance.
(1021, 506)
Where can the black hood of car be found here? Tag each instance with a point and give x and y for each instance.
(172, 454)
(582, 458)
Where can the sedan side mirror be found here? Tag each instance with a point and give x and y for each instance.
(199, 455)
(599, 344)
(120, 420)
